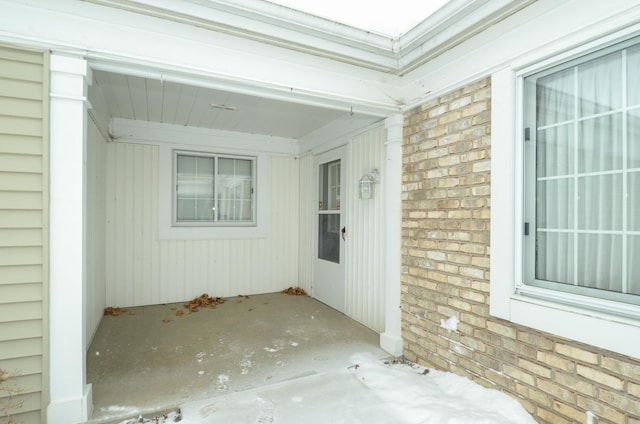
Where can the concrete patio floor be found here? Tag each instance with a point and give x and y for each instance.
(150, 359)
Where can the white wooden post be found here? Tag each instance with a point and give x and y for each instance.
(69, 396)
(391, 339)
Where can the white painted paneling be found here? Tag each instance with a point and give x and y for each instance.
(95, 234)
(141, 269)
(365, 225)
(307, 216)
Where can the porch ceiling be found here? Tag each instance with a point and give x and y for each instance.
(151, 100)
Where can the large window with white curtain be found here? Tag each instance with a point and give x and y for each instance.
(582, 175)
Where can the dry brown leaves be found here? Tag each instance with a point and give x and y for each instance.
(117, 311)
(112, 311)
(203, 301)
(295, 291)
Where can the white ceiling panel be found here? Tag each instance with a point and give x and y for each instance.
(145, 99)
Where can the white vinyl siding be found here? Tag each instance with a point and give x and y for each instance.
(23, 230)
(366, 233)
(96, 223)
(142, 269)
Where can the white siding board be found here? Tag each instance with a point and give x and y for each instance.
(23, 108)
(14, 181)
(21, 199)
(15, 330)
(20, 255)
(32, 417)
(365, 264)
(155, 276)
(23, 235)
(29, 403)
(20, 219)
(20, 163)
(16, 54)
(26, 365)
(20, 237)
(20, 89)
(96, 229)
(20, 311)
(148, 270)
(28, 384)
(20, 125)
(306, 224)
(20, 144)
(23, 71)
(20, 274)
(13, 293)
(13, 349)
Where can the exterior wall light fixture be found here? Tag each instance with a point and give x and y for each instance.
(366, 184)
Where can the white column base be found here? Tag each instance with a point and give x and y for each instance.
(392, 344)
(68, 411)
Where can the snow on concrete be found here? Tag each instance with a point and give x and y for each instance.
(365, 391)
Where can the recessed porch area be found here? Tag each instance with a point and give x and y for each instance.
(152, 358)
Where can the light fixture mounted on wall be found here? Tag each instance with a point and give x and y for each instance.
(366, 184)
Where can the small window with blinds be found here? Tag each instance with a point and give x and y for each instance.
(214, 190)
(582, 176)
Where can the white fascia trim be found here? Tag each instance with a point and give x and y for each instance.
(542, 30)
(272, 24)
(127, 130)
(113, 36)
(455, 23)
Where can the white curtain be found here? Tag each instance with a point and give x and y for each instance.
(581, 167)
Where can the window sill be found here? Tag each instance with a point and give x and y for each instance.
(211, 233)
(607, 331)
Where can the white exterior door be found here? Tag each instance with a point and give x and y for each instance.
(329, 268)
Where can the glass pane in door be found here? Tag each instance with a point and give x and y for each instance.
(329, 212)
(329, 237)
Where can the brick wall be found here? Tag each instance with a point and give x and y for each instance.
(445, 272)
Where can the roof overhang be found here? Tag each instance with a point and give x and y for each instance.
(284, 27)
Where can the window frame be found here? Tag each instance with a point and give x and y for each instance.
(592, 298)
(596, 322)
(216, 222)
(165, 195)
